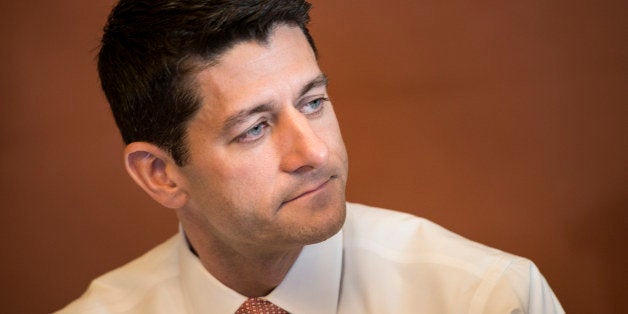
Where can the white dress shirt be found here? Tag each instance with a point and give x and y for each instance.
(380, 262)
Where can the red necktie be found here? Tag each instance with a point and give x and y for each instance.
(259, 306)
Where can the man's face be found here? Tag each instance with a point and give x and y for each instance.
(267, 165)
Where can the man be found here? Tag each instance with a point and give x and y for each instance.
(227, 121)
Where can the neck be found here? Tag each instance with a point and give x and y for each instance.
(250, 272)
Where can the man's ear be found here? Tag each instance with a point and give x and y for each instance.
(156, 172)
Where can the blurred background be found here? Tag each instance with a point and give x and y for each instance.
(504, 121)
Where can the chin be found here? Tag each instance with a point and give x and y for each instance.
(321, 226)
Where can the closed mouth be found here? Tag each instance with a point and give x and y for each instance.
(316, 189)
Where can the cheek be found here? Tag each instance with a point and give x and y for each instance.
(251, 174)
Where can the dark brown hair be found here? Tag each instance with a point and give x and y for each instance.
(150, 47)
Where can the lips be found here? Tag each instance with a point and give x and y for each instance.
(311, 190)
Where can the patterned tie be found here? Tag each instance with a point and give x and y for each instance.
(259, 306)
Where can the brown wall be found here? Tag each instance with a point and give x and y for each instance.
(504, 121)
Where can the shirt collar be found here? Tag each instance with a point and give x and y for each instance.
(311, 286)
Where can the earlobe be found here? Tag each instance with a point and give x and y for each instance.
(156, 173)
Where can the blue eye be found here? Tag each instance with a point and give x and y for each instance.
(313, 106)
(256, 130)
(253, 133)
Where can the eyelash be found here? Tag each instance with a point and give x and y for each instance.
(242, 138)
(317, 110)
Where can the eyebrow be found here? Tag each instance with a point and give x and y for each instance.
(242, 115)
(320, 80)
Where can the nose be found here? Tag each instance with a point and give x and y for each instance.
(301, 147)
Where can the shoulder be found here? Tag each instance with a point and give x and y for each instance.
(406, 238)
(131, 287)
(414, 255)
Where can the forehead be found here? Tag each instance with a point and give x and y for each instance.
(252, 71)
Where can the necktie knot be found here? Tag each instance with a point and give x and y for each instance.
(259, 306)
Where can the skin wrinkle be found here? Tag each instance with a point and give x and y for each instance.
(241, 116)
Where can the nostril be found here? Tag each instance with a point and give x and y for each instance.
(304, 169)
